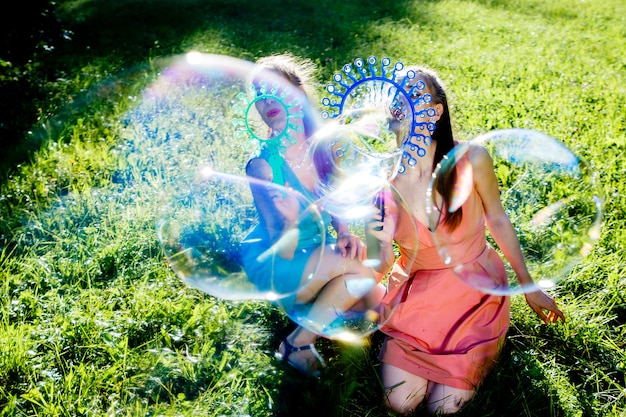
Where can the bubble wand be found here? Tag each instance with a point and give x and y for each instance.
(246, 122)
(365, 88)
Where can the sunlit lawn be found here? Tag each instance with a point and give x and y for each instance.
(93, 321)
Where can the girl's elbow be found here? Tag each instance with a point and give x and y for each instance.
(497, 222)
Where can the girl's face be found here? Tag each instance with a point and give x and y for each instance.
(272, 112)
(275, 108)
(419, 93)
(424, 108)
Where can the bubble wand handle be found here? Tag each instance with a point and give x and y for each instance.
(372, 243)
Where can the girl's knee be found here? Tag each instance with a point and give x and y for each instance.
(449, 404)
(404, 399)
(402, 404)
(404, 392)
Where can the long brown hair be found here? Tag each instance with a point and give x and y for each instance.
(444, 139)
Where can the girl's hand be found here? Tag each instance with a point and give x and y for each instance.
(286, 203)
(539, 302)
(382, 230)
(351, 245)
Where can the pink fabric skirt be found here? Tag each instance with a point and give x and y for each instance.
(445, 330)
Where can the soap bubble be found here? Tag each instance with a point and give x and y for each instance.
(355, 143)
(204, 110)
(352, 181)
(369, 310)
(353, 166)
(213, 240)
(550, 195)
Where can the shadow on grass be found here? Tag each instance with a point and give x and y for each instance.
(350, 387)
(109, 37)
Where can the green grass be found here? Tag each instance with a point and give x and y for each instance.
(93, 321)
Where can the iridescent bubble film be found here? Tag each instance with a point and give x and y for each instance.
(550, 195)
(194, 128)
(206, 231)
(356, 144)
(366, 304)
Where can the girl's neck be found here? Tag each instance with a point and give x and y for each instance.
(416, 165)
(297, 154)
(298, 144)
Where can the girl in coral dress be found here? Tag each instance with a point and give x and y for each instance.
(445, 336)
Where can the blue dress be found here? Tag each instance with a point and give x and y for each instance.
(285, 276)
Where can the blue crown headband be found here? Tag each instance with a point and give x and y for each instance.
(274, 144)
(388, 87)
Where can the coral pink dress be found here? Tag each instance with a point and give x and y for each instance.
(443, 329)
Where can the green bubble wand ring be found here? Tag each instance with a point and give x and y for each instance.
(246, 121)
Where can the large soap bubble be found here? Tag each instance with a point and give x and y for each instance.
(354, 203)
(356, 143)
(204, 110)
(211, 236)
(354, 149)
(550, 195)
(353, 168)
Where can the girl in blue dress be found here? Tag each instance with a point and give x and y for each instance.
(303, 253)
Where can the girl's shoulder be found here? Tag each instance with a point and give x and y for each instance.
(474, 153)
(260, 168)
(478, 155)
(472, 159)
